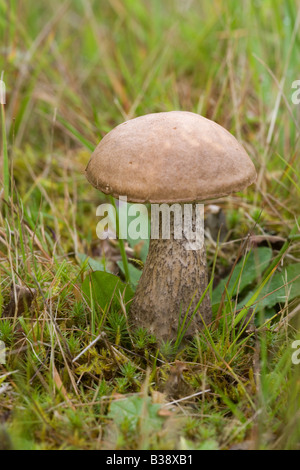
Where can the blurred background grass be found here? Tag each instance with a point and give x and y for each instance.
(92, 65)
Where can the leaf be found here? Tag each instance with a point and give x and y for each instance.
(255, 264)
(244, 311)
(92, 263)
(134, 273)
(277, 282)
(60, 386)
(22, 302)
(133, 409)
(103, 286)
(209, 444)
(141, 247)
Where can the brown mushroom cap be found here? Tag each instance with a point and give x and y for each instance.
(170, 157)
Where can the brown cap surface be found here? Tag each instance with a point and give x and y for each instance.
(170, 157)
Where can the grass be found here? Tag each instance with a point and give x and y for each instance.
(77, 375)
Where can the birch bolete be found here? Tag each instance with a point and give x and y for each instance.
(171, 157)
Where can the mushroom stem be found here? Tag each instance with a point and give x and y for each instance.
(172, 277)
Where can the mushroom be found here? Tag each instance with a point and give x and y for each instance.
(170, 157)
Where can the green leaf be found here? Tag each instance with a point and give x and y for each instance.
(252, 299)
(143, 252)
(278, 281)
(92, 263)
(134, 273)
(209, 444)
(132, 409)
(103, 286)
(255, 264)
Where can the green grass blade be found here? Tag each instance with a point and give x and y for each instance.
(5, 156)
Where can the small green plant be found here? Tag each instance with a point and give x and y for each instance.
(116, 327)
(142, 339)
(6, 331)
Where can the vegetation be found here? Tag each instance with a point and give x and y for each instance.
(77, 375)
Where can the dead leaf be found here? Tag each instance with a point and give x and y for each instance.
(61, 388)
(164, 412)
(176, 387)
(21, 299)
(267, 240)
(158, 397)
